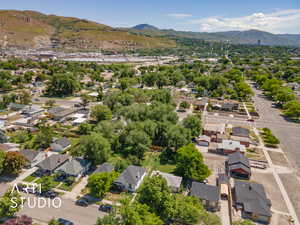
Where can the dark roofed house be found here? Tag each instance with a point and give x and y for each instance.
(58, 113)
(238, 166)
(51, 163)
(105, 167)
(131, 178)
(208, 194)
(60, 144)
(252, 200)
(240, 132)
(33, 157)
(75, 167)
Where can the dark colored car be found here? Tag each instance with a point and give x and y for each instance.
(49, 194)
(105, 208)
(82, 202)
(62, 221)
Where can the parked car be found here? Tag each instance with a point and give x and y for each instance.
(82, 202)
(105, 208)
(62, 221)
(49, 194)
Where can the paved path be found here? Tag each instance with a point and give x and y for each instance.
(20, 178)
(77, 189)
(224, 212)
(279, 182)
(68, 210)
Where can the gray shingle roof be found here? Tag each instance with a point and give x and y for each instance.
(240, 131)
(236, 158)
(105, 167)
(172, 180)
(29, 154)
(131, 175)
(74, 167)
(205, 192)
(53, 161)
(64, 142)
(253, 198)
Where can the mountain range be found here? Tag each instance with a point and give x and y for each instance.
(234, 37)
(31, 29)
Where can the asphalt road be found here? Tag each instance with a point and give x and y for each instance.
(68, 210)
(287, 132)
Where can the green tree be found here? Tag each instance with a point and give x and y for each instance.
(14, 162)
(292, 109)
(187, 210)
(93, 147)
(177, 136)
(185, 105)
(10, 204)
(50, 103)
(62, 85)
(135, 142)
(101, 112)
(53, 222)
(193, 123)
(156, 194)
(2, 161)
(85, 100)
(190, 164)
(44, 137)
(138, 214)
(100, 183)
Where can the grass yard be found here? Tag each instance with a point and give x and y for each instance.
(152, 162)
(29, 179)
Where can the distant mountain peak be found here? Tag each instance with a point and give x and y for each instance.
(145, 27)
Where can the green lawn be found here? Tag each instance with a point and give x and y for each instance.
(152, 162)
(29, 179)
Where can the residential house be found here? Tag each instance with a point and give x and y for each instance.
(32, 110)
(75, 167)
(51, 163)
(243, 140)
(105, 167)
(131, 178)
(16, 107)
(60, 145)
(203, 140)
(219, 138)
(174, 182)
(33, 157)
(59, 113)
(240, 132)
(238, 166)
(228, 147)
(208, 194)
(213, 129)
(252, 200)
(230, 106)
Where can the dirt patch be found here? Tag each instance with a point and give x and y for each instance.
(292, 186)
(216, 163)
(272, 190)
(278, 158)
(279, 219)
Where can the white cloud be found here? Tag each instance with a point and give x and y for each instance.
(284, 21)
(179, 15)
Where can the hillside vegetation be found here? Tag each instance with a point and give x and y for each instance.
(30, 29)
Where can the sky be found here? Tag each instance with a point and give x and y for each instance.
(276, 16)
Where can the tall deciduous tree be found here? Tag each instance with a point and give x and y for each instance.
(101, 112)
(14, 162)
(94, 147)
(193, 123)
(190, 164)
(100, 183)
